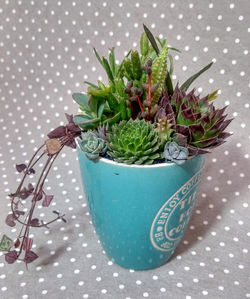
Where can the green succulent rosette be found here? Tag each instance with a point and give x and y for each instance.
(134, 142)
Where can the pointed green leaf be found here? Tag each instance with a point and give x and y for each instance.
(83, 119)
(174, 49)
(119, 87)
(101, 85)
(100, 109)
(100, 93)
(107, 69)
(90, 126)
(189, 81)
(113, 103)
(169, 85)
(171, 64)
(144, 46)
(120, 70)
(98, 57)
(93, 105)
(128, 68)
(91, 84)
(136, 64)
(86, 111)
(121, 66)
(214, 95)
(162, 42)
(151, 39)
(123, 109)
(81, 99)
(112, 61)
(128, 53)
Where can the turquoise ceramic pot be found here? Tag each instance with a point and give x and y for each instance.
(140, 213)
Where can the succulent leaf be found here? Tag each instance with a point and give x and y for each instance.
(91, 84)
(174, 49)
(136, 64)
(81, 99)
(112, 61)
(151, 39)
(128, 69)
(98, 57)
(100, 109)
(159, 74)
(99, 93)
(169, 84)
(189, 81)
(144, 45)
(85, 122)
(213, 95)
(162, 42)
(107, 69)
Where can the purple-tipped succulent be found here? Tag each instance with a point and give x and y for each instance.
(165, 110)
(198, 125)
(102, 131)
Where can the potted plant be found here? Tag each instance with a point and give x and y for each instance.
(141, 145)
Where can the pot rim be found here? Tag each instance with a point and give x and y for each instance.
(108, 161)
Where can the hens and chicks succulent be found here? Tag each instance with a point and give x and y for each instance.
(138, 117)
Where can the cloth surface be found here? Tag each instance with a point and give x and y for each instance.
(46, 54)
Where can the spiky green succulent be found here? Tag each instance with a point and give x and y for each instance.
(134, 141)
(159, 74)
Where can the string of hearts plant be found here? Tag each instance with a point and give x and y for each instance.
(137, 118)
(50, 150)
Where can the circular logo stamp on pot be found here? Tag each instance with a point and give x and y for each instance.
(172, 219)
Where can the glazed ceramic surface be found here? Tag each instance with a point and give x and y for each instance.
(140, 213)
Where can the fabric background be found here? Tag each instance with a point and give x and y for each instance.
(45, 56)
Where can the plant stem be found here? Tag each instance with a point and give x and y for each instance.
(26, 172)
(149, 88)
(21, 184)
(149, 96)
(37, 160)
(139, 102)
(26, 232)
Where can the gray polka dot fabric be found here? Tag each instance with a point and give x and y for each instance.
(46, 55)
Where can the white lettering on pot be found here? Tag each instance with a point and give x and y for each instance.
(172, 219)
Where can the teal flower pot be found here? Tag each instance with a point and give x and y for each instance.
(140, 213)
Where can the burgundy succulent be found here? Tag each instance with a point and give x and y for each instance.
(198, 125)
(165, 110)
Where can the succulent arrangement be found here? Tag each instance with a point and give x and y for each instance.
(149, 120)
(138, 117)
